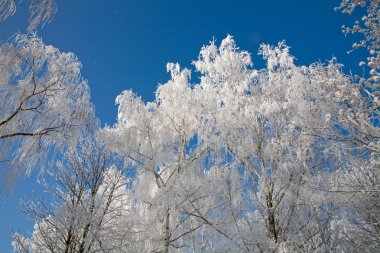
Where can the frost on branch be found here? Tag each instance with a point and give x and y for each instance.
(45, 102)
(7, 8)
(369, 27)
(41, 11)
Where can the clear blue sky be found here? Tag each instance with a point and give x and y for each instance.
(125, 44)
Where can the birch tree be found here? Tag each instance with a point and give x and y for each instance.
(89, 209)
(45, 103)
(156, 138)
(356, 185)
(260, 120)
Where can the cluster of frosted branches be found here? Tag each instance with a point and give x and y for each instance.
(41, 11)
(368, 26)
(46, 103)
(88, 208)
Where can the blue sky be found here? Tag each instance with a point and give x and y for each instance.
(125, 44)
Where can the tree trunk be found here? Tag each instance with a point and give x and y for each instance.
(167, 232)
(271, 218)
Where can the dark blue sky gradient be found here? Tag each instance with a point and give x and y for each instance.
(125, 44)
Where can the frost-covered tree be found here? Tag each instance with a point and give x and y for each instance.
(360, 100)
(41, 11)
(356, 185)
(158, 138)
(235, 155)
(88, 209)
(45, 103)
(264, 123)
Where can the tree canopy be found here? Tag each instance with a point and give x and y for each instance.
(241, 159)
